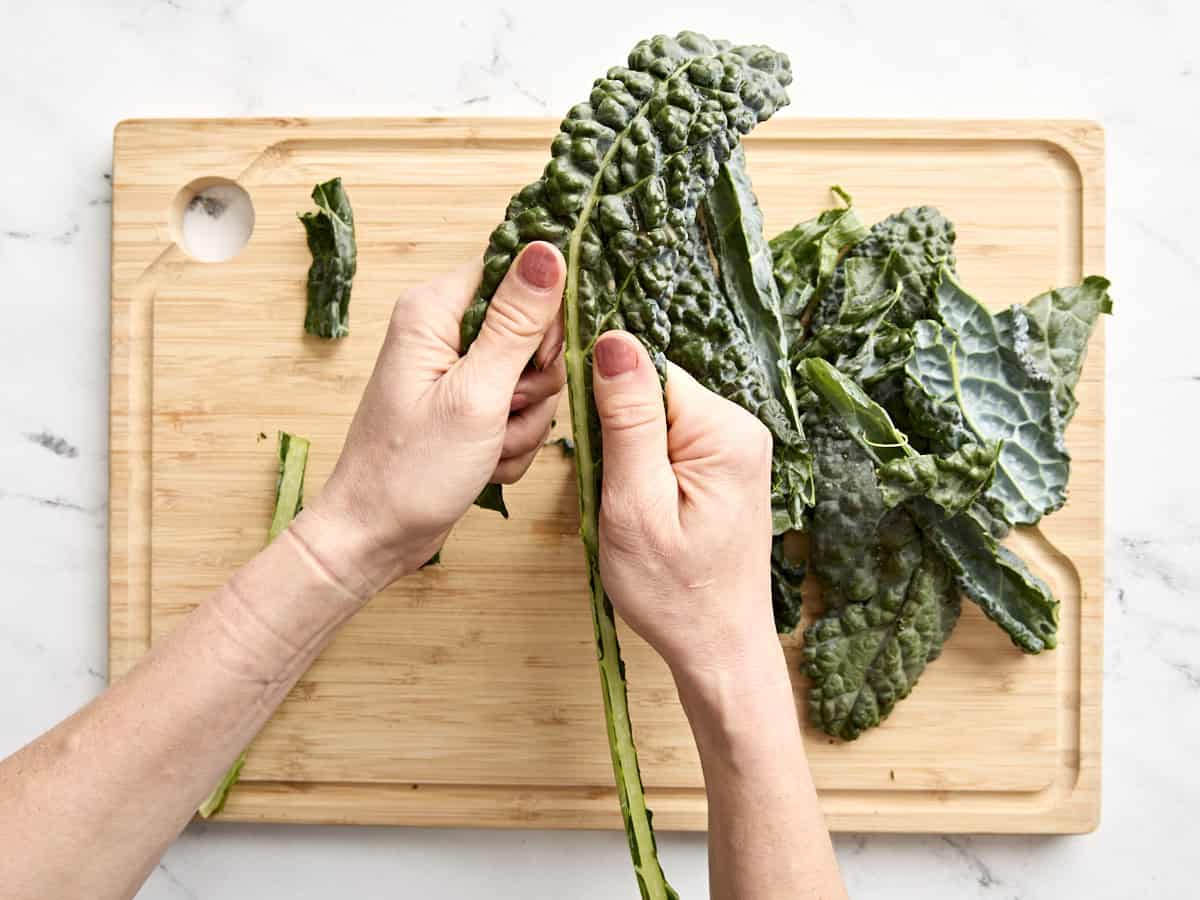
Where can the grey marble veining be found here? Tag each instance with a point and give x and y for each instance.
(1131, 65)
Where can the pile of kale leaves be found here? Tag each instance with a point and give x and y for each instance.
(912, 428)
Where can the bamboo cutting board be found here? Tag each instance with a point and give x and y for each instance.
(468, 693)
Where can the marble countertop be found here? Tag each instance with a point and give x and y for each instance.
(73, 70)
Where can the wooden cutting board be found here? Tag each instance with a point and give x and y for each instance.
(468, 693)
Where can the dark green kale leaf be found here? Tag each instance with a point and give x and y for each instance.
(993, 378)
(923, 240)
(1055, 333)
(787, 578)
(889, 600)
(991, 575)
(492, 497)
(330, 233)
(805, 256)
(952, 481)
(631, 169)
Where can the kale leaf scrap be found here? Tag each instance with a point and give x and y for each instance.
(330, 233)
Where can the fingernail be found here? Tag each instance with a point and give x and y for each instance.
(615, 356)
(519, 402)
(546, 359)
(538, 266)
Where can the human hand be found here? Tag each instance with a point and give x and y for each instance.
(685, 513)
(433, 427)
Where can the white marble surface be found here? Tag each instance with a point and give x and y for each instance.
(70, 73)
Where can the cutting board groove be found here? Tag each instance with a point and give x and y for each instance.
(467, 694)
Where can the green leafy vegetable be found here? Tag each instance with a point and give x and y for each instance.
(1057, 326)
(990, 368)
(864, 657)
(805, 257)
(993, 576)
(622, 196)
(330, 233)
(289, 496)
(923, 241)
(988, 573)
(492, 497)
(787, 577)
(952, 481)
(889, 601)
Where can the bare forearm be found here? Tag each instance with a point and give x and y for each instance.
(767, 837)
(88, 808)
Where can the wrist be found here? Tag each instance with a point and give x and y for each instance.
(740, 703)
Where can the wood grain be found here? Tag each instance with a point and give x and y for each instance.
(467, 695)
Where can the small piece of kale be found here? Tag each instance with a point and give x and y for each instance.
(330, 232)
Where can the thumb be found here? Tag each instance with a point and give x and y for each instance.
(633, 422)
(525, 305)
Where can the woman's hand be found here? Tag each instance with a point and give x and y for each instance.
(433, 427)
(685, 513)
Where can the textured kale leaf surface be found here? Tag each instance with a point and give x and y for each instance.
(787, 578)
(890, 603)
(805, 257)
(330, 232)
(923, 241)
(988, 573)
(952, 481)
(992, 378)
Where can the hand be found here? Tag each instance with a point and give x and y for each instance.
(685, 513)
(434, 427)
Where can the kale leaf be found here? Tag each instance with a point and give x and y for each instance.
(805, 256)
(923, 241)
(330, 232)
(889, 600)
(787, 577)
(644, 191)
(992, 378)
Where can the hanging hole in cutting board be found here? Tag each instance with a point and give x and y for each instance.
(212, 219)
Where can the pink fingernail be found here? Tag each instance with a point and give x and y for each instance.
(538, 265)
(519, 402)
(615, 356)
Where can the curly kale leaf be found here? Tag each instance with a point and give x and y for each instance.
(994, 577)
(330, 232)
(787, 578)
(630, 171)
(991, 575)
(805, 256)
(1055, 333)
(952, 481)
(734, 228)
(889, 601)
(923, 240)
(973, 362)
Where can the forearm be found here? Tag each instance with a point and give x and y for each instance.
(88, 808)
(767, 836)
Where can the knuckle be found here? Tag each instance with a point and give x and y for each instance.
(751, 445)
(508, 319)
(630, 413)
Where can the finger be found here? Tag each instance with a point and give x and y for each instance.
(552, 344)
(519, 315)
(453, 291)
(528, 430)
(629, 402)
(510, 471)
(537, 385)
(697, 418)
